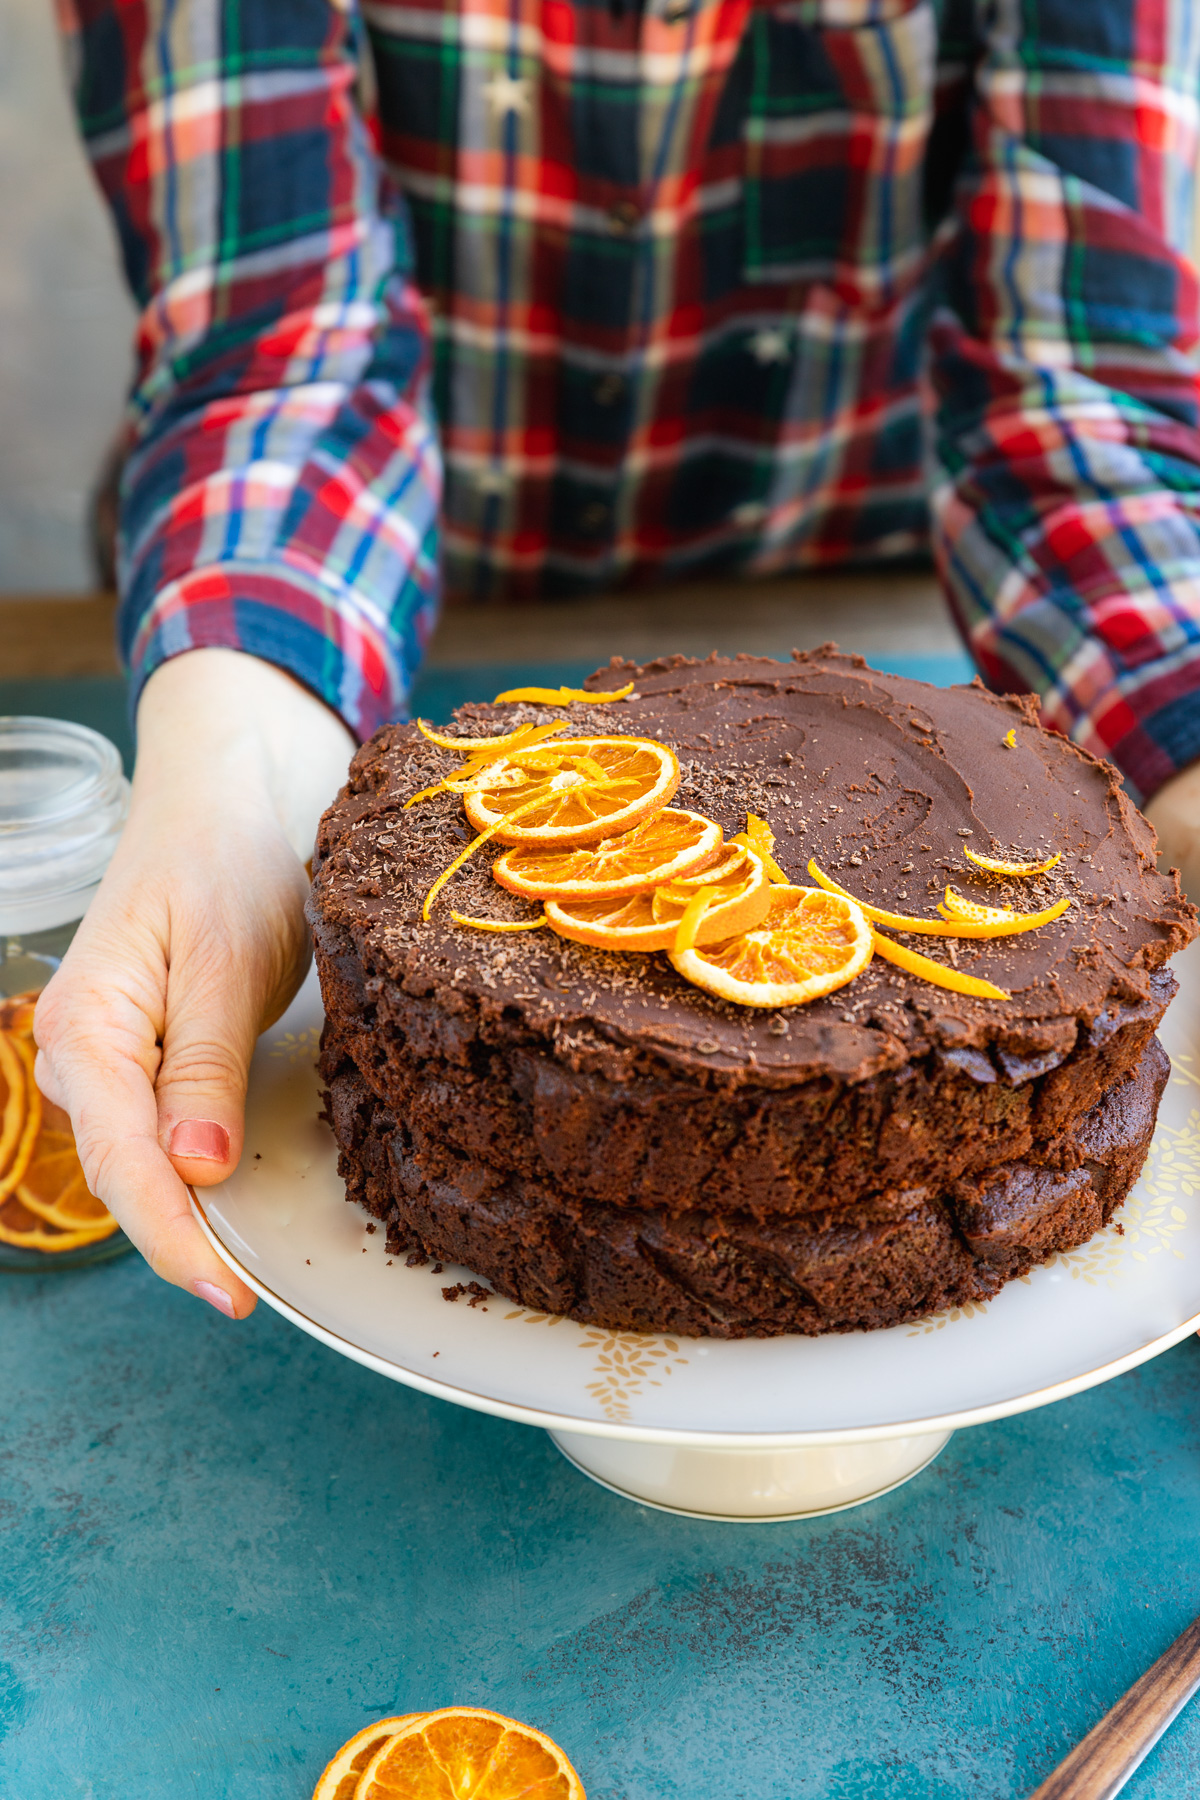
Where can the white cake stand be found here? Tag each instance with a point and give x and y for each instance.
(757, 1430)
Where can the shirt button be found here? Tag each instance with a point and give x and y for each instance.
(624, 217)
(608, 390)
(594, 516)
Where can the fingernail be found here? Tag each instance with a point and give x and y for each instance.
(215, 1296)
(202, 1138)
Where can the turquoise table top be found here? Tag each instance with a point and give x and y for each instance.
(224, 1549)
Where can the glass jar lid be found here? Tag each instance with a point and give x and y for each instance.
(63, 801)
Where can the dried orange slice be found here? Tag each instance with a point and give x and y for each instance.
(671, 844)
(999, 865)
(466, 1753)
(935, 972)
(943, 927)
(576, 791)
(56, 1189)
(341, 1776)
(12, 1099)
(810, 943)
(739, 899)
(16, 1014)
(29, 1232)
(31, 1120)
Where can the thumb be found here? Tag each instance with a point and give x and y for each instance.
(208, 1038)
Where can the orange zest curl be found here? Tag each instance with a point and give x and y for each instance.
(562, 696)
(957, 906)
(481, 754)
(508, 740)
(998, 865)
(935, 972)
(944, 927)
(500, 924)
(759, 837)
(693, 918)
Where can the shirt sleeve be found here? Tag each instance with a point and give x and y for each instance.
(281, 489)
(1067, 501)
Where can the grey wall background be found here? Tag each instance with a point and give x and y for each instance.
(65, 319)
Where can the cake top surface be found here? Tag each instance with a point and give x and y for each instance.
(882, 779)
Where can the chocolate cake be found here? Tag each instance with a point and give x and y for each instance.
(597, 1137)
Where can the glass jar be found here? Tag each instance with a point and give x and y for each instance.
(63, 802)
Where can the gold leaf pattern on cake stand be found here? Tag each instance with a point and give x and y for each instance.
(1143, 1227)
(626, 1362)
(298, 1046)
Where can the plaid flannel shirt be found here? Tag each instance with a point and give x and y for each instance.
(687, 285)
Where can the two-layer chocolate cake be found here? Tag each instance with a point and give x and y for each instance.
(597, 1136)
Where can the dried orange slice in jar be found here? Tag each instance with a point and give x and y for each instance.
(466, 1753)
(56, 1189)
(671, 844)
(341, 1776)
(572, 792)
(12, 1100)
(741, 895)
(30, 1114)
(810, 943)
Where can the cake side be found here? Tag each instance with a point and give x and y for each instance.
(706, 1273)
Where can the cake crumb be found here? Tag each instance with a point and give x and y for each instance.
(416, 1259)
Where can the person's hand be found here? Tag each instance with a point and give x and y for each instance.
(1174, 813)
(195, 942)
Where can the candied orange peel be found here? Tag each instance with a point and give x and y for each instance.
(961, 927)
(759, 837)
(562, 696)
(499, 924)
(957, 906)
(935, 972)
(999, 865)
(508, 740)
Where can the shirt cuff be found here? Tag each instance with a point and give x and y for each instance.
(361, 664)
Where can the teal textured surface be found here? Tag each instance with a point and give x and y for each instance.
(225, 1549)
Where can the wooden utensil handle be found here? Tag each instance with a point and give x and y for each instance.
(1100, 1766)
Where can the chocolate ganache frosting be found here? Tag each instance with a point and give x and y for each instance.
(600, 1137)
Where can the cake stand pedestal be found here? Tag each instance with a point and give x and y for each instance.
(753, 1430)
(751, 1486)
